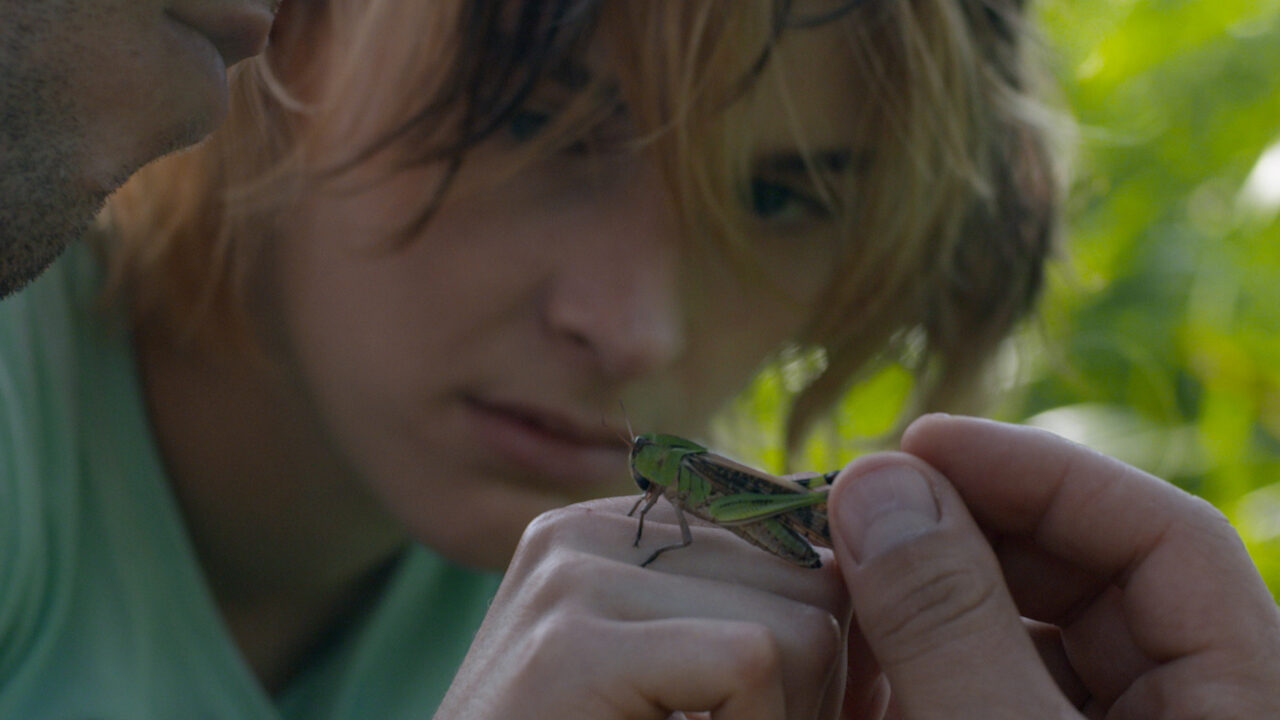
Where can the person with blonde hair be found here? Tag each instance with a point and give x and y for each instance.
(92, 89)
(366, 348)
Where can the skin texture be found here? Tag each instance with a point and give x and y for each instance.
(452, 387)
(579, 630)
(92, 89)
(1154, 607)
(1152, 614)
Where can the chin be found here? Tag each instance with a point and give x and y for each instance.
(489, 550)
(482, 535)
(106, 173)
(36, 228)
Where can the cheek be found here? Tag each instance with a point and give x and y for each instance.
(759, 306)
(735, 327)
(367, 360)
(381, 326)
(351, 321)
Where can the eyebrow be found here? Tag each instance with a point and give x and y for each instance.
(571, 74)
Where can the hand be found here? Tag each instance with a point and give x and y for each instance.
(578, 629)
(1154, 608)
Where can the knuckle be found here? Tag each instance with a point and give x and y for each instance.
(558, 642)
(555, 631)
(1244, 689)
(1154, 696)
(1209, 529)
(755, 656)
(553, 524)
(1206, 512)
(927, 604)
(819, 631)
(560, 577)
(574, 573)
(546, 533)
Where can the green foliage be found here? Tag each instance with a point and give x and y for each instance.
(1163, 324)
(1159, 337)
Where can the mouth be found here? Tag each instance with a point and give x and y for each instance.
(237, 31)
(561, 426)
(558, 447)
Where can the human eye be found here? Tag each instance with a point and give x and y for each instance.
(790, 188)
(526, 123)
(600, 130)
(784, 202)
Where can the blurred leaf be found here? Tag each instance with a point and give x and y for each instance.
(1159, 336)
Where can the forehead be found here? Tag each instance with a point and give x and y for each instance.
(808, 88)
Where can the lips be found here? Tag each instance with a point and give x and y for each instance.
(561, 426)
(237, 29)
(559, 448)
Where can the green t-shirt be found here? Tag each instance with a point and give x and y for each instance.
(104, 611)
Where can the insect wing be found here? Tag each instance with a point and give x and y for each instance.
(748, 507)
(734, 477)
(756, 506)
(773, 535)
(811, 522)
(779, 515)
(806, 516)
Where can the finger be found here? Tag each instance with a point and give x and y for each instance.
(1095, 634)
(1175, 557)
(1048, 643)
(929, 597)
(1100, 645)
(725, 668)
(1044, 586)
(866, 692)
(738, 668)
(601, 527)
(568, 571)
(809, 639)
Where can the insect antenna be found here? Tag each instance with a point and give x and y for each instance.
(631, 434)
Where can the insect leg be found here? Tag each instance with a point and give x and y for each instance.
(652, 498)
(686, 537)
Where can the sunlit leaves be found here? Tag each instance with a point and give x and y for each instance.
(1172, 328)
(1159, 339)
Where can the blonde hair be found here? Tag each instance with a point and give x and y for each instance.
(946, 229)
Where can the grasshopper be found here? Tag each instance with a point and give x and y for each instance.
(777, 514)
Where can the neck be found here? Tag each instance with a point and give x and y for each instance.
(288, 537)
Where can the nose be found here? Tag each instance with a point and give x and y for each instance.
(617, 300)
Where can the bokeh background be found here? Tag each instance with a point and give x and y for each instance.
(1159, 338)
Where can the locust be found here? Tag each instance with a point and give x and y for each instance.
(784, 516)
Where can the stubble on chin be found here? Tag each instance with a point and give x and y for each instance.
(37, 222)
(45, 203)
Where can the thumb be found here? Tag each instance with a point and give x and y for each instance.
(930, 599)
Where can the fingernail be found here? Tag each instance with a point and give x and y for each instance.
(885, 508)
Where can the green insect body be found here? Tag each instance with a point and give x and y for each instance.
(783, 516)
